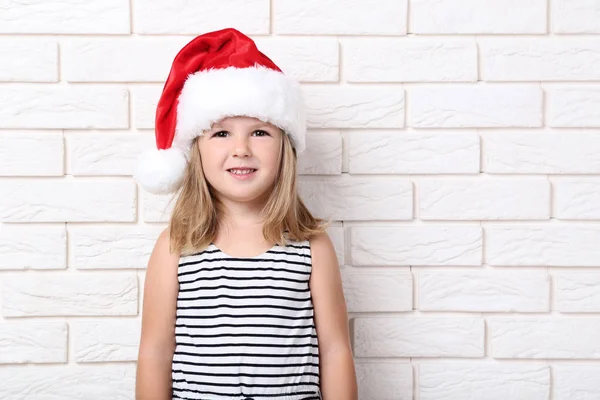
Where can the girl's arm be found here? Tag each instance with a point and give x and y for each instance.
(157, 343)
(338, 376)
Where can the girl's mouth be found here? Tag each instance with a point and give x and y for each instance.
(242, 174)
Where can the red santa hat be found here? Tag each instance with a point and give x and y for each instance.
(216, 75)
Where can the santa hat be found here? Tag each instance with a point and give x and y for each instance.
(216, 75)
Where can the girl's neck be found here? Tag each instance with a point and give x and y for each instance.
(242, 218)
(241, 238)
(240, 227)
(241, 215)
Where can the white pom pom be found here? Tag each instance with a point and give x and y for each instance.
(161, 171)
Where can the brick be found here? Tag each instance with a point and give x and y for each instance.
(484, 291)
(573, 382)
(539, 59)
(416, 245)
(533, 338)
(160, 17)
(28, 60)
(305, 59)
(576, 200)
(106, 340)
(478, 16)
(523, 152)
(573, 108)
(63, 107)
(489, 199)
(72, 382)
(389, 152)
(145, 99)
(30, 153)
(33, 342)
(337, 17)
(354, 107)
(111, 247)
(575, 16)
(480, 381)
(475, 106)
(32, 247)
(66, 17)
(119, 59)
(578, 291)
(384, 380)
(559, 246)
(375, 290)
(418, 337)
(336, 234)
(409, 60)
(105, 153)
(158, 207)
(349, 198)
(68, 201)
(323, 154)
(69, 294)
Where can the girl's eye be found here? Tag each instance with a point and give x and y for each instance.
(261, 133)
(221, 134)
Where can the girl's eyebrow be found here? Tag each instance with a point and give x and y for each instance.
(261, 125)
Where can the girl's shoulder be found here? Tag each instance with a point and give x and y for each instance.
(322, 247)
(168, 243)
(163, 243)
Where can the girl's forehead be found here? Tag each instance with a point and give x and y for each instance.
(241, 121)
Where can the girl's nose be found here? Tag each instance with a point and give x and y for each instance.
(242, 147)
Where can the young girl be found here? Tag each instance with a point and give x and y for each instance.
(243, 297)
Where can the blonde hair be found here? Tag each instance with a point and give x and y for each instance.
(194, 220)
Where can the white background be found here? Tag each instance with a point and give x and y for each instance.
(455, 143)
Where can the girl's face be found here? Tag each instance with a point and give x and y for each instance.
(241, 157)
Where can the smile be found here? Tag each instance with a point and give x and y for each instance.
(242, 173)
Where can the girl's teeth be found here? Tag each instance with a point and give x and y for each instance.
(241, 171)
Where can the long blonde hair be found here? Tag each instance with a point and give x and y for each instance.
(194, 220)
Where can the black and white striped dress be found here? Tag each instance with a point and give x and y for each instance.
(245, 327)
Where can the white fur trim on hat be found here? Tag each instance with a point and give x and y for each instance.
(259, 92)
(161, 171)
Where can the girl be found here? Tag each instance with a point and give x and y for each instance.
(243, 297)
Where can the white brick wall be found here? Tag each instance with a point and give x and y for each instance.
(105, 340)
(483, 381)
(29, 60)
(576, 16)
(450, 17)
(25, 106)
(454, 143)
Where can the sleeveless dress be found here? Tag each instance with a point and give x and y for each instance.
(245, 326)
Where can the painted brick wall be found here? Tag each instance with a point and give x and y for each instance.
(454, 142)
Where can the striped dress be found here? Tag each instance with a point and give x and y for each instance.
(245, 328)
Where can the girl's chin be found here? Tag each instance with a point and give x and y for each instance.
(249, 191)
(258, 200)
